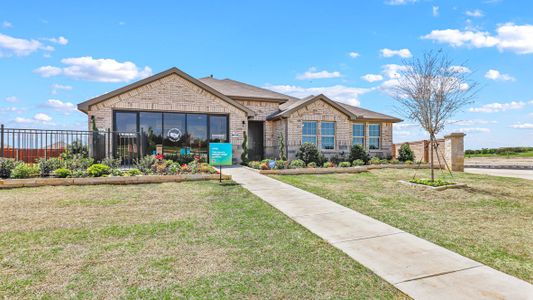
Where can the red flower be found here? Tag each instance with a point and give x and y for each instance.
(159, 156)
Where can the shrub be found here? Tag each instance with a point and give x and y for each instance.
(160, 167)
(264, 166)
(281, 164)
(117, 172)
(62, 173)
(338, 158)
(180, 159)
(297, 163)
(46, 166)
(358, 162)
(98, 170)
(405, 153)
(78, 163)
(113, 163)
(308, 153)
(254, 165)
(328, 164)
(145, 164)
(78, 174)
(358, 153)
(408, 162)
(281, 148)
(23, 170)
(394, 161)
(244, 154)
(375, 160)
(311, 164)
(384, 161)
(6, 167)
(344, 164)
(134, 172)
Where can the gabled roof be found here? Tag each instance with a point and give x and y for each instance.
(311, 99)
(240, 90)
(84, 106)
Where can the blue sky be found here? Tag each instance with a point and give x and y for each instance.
(55, 54)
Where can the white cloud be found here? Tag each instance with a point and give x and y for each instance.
(497, 107)
(354, 54)
(399, 2)
(57, 87)
(65, 107)
(402, 132)
(101, 70)
(392, 70)
(470, 122)
(7, 24)
(60, 40)
(42, 117)
(11, 99)
(23, 120)
(12, 109)
(341, 93)
(404, 53)
(372, 77)
(10, 46)
(37, 118)
(523, 126)
(473, 130)
(405, 125)
(496, 75)
(476, 13)
(509, 37)
(313, 73)
(460, 69)
(435, 11)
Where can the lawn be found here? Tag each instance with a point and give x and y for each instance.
(171, 240)
(491, 221)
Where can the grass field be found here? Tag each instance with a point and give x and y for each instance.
(512, 155)
(491, 221)
(172, 240)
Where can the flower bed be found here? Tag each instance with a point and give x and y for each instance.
(437, 185)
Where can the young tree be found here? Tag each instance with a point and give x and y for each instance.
(430, 90)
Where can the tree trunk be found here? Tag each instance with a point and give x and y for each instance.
(431, 166)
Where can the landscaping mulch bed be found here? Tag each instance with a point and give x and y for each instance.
(434, 188)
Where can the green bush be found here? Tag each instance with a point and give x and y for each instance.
(359, 153)
(23, 170)
(281, 164)
(384, 161)
(394, 161)
(408, 162)
(145, 164)
(180, 159)
(134, 172)
(6, 167)
(358, 162)
(62, 173)
(344, 164)
(78, 174)
(405, 153)
(328, 164)
(117, 172)
(113, 163)
(434, 183)
(311, 164)
(297, 163)
(97, 170)
(309, 153)
(78, 163)
(46, 166)
(375, 160)
(254, 164)
(338, 158)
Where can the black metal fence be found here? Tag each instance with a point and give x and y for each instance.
(29, 145)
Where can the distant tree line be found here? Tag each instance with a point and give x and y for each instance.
(503, 150)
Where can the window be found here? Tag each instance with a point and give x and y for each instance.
(309, 132)
(174, 134)
(152, 125)
(197, 133)
(358, 134)
(374, 134)
(218, 132)
(327, 133)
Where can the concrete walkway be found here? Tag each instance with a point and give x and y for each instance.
(415, 266)
(525, 174)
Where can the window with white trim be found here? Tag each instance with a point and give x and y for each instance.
(327, 135)
(309, 132)
(358, 134)
(374, 136)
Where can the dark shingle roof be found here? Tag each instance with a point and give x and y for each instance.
(236, 89)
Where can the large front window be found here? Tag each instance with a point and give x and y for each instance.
(327, 135)
(374, 136)
(174, 133)
(309, 132)
(358, 134)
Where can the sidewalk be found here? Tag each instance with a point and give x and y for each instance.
(415, 266)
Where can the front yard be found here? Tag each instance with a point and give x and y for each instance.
(186, 240)
(491, 221)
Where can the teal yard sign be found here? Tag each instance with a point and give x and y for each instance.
(220, 154)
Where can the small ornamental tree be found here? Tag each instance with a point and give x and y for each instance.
(309, 153)
(358, 152)
(244, 154)
(405, 153)
(430, 90)
(281, 150)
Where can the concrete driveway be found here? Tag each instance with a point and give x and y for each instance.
(525, 174)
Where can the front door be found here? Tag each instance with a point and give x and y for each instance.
(255, 140)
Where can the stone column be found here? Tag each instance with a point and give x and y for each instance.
(455, 151)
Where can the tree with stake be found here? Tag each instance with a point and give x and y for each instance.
(430, 90)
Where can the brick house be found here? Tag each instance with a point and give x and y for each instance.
(177, 113)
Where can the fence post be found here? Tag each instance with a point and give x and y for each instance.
(108, 146)
(2, 140)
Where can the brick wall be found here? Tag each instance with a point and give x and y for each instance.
(172, 93)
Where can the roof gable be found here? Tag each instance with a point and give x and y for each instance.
(289, 110)
(84, 106)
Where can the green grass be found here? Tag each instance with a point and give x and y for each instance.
(520, 154)
(171, 240)
(491, 221)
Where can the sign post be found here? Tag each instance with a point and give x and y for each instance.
(220, 154)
